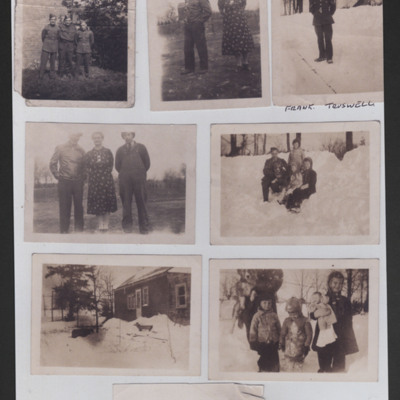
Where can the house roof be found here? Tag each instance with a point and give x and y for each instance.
(150, 272)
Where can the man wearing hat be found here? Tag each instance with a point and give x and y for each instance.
(50, 34)
(132, 162)
(276, 174)
(66, 165)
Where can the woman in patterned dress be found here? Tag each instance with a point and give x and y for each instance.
(236, 37)
(101, 191)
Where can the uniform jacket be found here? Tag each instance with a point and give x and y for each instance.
(276, 168)
(296, 334)
(265, 327)
(84, 41)
(197, 11)
(134, 162)
(341, 306)
(310, 178)
(50, 38)
(67, 33)
(322, 10)
(67, 162)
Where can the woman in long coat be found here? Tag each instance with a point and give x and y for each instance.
(101, 190)
(236, 37)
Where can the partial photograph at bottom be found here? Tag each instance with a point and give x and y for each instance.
(294, 320)
(112, 315)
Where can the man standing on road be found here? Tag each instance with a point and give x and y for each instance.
(276, 174)
(322, 10)
(66, 165)
(132, 162)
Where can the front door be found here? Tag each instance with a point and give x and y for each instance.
(138, 294)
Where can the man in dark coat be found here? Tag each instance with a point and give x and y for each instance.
(276, 174)
(49, 47)
(196, 13)
(322, 10)
(132, 162)
(332, 357)
(66, 165)
(66, 46)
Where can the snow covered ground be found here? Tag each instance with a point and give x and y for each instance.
(340, 206)
(357, 47)
(242, 359)
(119, 344)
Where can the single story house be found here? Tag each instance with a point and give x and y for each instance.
(152, 291)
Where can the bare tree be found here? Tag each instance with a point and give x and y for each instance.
(288, 142)
(264, 143)
(349, 141)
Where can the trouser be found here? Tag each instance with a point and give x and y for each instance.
(45, 56)
(83, 58)
(269, 357)
(296, 198)
(331, 358)
(68, 191)
(324, 36)
(276, 187)
(65, 54)
(127, 189)
(195, 36)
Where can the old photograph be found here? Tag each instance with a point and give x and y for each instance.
(208, 54)
(294, 319)
(115, 315)
(104, 183)
(192, 391)
(70, 52)
(295, 183)
(322, 53)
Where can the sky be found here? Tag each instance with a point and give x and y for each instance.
(169, 146)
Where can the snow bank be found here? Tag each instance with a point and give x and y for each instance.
(340, 206)
(119, 344)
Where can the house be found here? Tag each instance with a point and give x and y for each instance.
(152, 291)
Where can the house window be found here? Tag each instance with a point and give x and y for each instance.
(145, 296)
(131, 301)
(181, 295)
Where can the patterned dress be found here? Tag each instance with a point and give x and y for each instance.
(236, 36)
(101, 191)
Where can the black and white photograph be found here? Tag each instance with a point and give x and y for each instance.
(115, 314)
(75, 52)
(327, 51)
(295, 183)
(295, 319)
(110, 183)
(208, 54)
(192, 391)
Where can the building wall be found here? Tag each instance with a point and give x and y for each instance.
(176, 314)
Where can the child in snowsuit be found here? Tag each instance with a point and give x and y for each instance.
(296, 155)
(322, 11)
(264, 335)
(84, 41)
(296, 180)
(332, 357)
(50, 34)
(195, 14)
(295, 338)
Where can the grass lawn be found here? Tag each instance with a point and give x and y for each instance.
(222, 80)
(103, 85)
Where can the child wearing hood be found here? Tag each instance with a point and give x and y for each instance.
(295, 337)
(264, 334)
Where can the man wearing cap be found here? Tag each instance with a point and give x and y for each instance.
(132, 162)
(66, 165)
(50, 47)
(66, 46)
(276, 174)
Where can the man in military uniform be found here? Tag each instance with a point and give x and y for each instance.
(67, 167)
(322, 10)
(276, 174)
(66, 46)
(132, 162)
(49, 47)
(196, 13)
(84, 40)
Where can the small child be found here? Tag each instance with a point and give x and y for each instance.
(84, 40)
(264, 335)
(296, 180)
(296, 155)
(295, 338)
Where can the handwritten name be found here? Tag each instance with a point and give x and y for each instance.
(332, 106)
